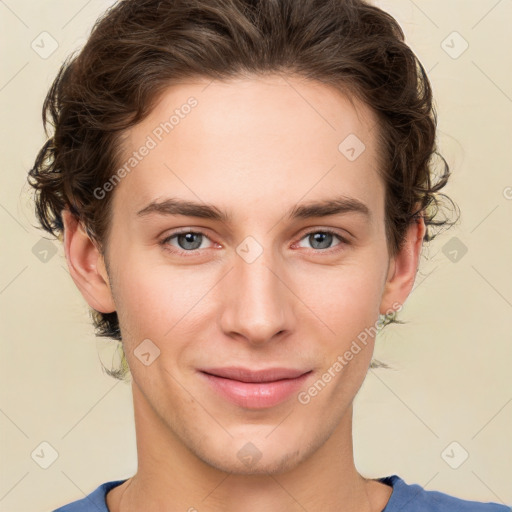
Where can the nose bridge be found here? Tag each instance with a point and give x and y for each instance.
(257, 306)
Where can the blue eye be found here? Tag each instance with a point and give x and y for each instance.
(188, 243)
(322, 238)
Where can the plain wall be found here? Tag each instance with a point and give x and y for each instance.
(451, 380)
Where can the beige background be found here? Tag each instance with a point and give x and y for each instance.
(452, 378)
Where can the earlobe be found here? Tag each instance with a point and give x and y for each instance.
(86, 265)
(403, 268)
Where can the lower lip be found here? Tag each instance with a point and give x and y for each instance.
(255, 395)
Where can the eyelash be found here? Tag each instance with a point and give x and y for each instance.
(194, 252)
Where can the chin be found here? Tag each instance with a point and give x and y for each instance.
(243, 464)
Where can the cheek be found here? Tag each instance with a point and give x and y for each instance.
(350, 308)
(346, 298)
(153, 297)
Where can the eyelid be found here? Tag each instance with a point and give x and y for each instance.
(342, 234)
(182, 231)
(344, 240)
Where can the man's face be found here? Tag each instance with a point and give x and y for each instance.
(262, 288)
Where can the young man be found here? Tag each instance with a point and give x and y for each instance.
(243, 190)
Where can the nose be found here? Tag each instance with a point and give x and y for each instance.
(256, 306)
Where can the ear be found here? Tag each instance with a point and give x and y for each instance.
(86, 265)
(402, 268)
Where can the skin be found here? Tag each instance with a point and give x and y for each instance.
(255, 148)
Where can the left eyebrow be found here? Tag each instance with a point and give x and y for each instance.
(336, 206)
(324, 208)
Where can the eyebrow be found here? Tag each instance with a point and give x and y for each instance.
(323, 208)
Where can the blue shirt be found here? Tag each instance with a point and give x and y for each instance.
(404, 498)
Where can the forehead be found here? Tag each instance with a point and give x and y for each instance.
(260, 141)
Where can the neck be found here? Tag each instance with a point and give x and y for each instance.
(172, 477)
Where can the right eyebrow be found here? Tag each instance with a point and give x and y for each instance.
(174, 206)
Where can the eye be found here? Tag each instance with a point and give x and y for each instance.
(322, 239)
(185, 241)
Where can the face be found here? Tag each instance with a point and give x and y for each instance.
(253, 276)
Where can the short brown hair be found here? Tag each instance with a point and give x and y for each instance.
(138, 48)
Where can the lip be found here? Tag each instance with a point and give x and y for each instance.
(255, 389)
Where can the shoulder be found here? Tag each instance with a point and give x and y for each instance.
(414, 498)
(94, 502)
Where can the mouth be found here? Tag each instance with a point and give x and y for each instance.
(258, 389)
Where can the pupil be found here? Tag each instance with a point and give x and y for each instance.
(189, 239)
(321, 238)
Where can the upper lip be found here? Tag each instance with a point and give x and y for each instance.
(246, 375)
